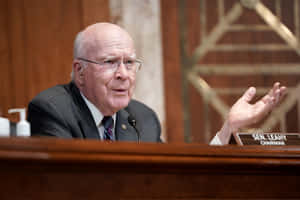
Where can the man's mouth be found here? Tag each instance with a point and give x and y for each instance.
(120, 91)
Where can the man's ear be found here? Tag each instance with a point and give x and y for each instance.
(78, 72)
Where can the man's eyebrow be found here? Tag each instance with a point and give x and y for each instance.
(133, 55)
(106, 57)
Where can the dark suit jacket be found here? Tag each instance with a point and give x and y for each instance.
(61, 111)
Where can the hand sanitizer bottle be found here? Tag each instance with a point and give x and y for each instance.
(23, 126)
(4, 127)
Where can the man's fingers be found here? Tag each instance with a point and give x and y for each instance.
(249, 94)
(274, 89)
(279, 94)
(283, 91)
(274, 96)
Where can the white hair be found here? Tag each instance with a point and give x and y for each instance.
(78, 44)
(80, 50)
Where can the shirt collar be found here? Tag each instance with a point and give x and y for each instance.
(96, 113)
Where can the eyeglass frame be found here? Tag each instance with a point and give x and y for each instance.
(98, 63)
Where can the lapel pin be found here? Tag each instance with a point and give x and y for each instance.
(124, 127)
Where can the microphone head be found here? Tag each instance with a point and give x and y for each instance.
(131, 120)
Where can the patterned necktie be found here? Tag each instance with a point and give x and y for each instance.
(108, 124)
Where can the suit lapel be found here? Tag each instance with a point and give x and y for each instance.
(123, 130)
(85, 118)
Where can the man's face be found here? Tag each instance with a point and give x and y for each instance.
(108, 90)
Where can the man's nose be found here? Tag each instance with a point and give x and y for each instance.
(122, 70)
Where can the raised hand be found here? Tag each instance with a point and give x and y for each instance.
(243, 113)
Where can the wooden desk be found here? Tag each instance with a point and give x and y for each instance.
(76, 169)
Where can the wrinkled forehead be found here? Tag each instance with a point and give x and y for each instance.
(110, 42)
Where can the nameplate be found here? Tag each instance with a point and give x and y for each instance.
(267, 139)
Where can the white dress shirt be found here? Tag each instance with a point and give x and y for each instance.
(216, 141)
(98, 116)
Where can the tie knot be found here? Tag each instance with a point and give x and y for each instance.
(107, 122)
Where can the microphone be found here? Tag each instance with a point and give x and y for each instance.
(132, 121)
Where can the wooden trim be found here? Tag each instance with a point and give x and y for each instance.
(172, 71)
(88, 169)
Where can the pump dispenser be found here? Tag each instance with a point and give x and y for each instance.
(23, 126)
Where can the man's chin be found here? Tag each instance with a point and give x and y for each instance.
(120, 103)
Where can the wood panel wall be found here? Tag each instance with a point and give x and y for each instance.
(172, 71)
(174, 87)
(36, 42)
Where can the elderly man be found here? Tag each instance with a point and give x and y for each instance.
(97, 103)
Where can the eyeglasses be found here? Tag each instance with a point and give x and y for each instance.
(111, 65)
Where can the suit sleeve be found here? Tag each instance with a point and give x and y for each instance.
(147, 121)
(47, 120)
(158, 128)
